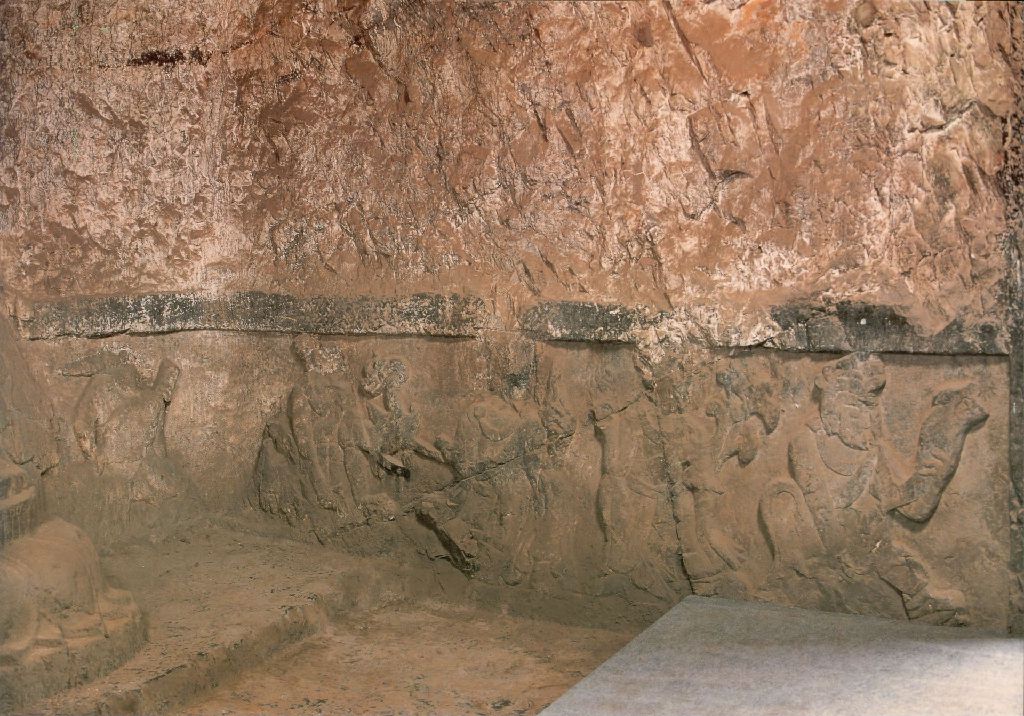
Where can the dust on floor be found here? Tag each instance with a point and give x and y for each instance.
(432, 659)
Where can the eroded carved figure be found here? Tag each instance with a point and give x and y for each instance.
(118, 423)
(732, 420)
(839, 518)
(501, 453)
(60, 624)
(335, 455)
(633, 493)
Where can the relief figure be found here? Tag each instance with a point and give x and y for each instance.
(856, 488)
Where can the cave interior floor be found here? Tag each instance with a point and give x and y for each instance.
(245, 623)
(240, 623)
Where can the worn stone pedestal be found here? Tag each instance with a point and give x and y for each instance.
(707, 657)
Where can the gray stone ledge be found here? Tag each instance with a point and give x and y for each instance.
(851, 326)
(253, 311)
(839, 328)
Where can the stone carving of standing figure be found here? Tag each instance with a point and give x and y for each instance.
(311, 462)
(733, 421)
(118, 422)
(633, 498)
(489, 519)
(849, 482)
(391, 423)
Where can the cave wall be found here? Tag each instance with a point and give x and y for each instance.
(619, 249)
(875, 483)
(727, 156)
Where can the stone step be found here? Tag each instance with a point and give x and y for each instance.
(220, 604)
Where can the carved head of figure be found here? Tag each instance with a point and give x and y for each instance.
(848, 398)
(382, 377)
(750, 408)
(964, 411)
(315, 358)
(511, 366)
(166, 379)
(752, 390)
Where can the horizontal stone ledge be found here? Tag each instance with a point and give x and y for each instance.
(853, 326)
(839, 328)
(95, 317)
(586, 322)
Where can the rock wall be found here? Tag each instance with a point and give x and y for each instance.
(615, 300)
(714, 159)
(872, 483)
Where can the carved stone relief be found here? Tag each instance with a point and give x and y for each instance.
(826, 482)
(120, 447)
(60, 623)
(338, 453)
(844, 501)
(504, 453)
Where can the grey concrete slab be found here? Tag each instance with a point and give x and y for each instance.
(707, 657)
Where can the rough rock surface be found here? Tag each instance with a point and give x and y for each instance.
(664, 153)
(578, 302)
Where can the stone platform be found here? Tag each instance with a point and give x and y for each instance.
(710, 657)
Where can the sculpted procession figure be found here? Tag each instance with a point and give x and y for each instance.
(848, 491)
(743, 409)
(118, 422)
(335, 454)
(303, 463)
(490, 517)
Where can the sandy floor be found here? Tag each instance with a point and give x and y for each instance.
(242, 624)
(432, 660)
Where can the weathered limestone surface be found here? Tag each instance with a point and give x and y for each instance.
(802, 327)
(730, 155)
(617, 301)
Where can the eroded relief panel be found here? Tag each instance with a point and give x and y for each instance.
(859, 483)
(60, 622)
(117, 443)
(870, 483)
(865, 483)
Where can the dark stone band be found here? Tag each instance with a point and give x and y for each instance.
(419, 314)
(839, 328)
(849, 326)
